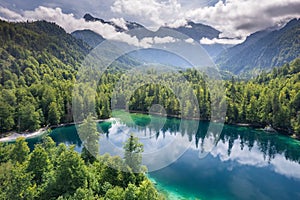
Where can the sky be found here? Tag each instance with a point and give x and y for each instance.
(236, 19)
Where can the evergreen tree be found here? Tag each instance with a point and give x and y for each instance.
(20, 150)
(132, 156)
(53, 114)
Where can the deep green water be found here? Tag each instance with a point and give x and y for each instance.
(239, 163)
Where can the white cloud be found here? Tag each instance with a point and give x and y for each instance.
(282, 166)
(189, 40)
(244, 157)
(163, 40)
(178, 23)
(6, 13)
(234, 18)
(208, 41)
(67, 21)
(147, 42)
(158, 13)
(242, 17)
(119, 22)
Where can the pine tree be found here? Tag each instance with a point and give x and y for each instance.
(133, 156)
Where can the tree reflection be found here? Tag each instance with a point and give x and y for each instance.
(268, 144)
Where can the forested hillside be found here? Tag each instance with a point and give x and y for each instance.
(262, 51)
(38, 65)
(271, 98)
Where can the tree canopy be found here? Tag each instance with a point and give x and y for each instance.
(59, 172)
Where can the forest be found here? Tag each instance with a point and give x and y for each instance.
(59, 172)
(39, 62)
(270, 99)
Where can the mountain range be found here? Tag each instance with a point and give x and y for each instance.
(261, 51)
(196, 31)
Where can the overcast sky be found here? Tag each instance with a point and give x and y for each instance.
(236, 19)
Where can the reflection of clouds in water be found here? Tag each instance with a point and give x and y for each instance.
(166, 155)
(161, 151)
(209, 142)
(285, 167)
(256, 158)
(119, 133)
(244, 157)
(158, 152)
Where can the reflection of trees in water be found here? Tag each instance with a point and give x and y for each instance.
(67, 135)
(268, 144)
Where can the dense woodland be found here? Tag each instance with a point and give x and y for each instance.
(271, 99)
(39, 61)
(38, 64)
(59, 172)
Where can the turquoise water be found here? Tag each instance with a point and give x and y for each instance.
(197, 163)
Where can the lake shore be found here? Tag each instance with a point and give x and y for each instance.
(12, 136)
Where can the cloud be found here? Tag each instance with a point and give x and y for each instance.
(208, 41)
(178, 23)
(67, 21)
(282, 166)
(239, 18)
(234, 18)
(70, 24)
(163, 40)
(153, 12)
(189, 40)
(6, 13)
(119, 22)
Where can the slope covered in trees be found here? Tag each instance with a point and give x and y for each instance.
(262, 51)
(59, 172)
(91, 38)
(37, 70)
(271, 98)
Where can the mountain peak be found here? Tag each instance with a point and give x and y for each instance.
(130, 25)
(88, 17)
(292, 23)
(197, 31)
